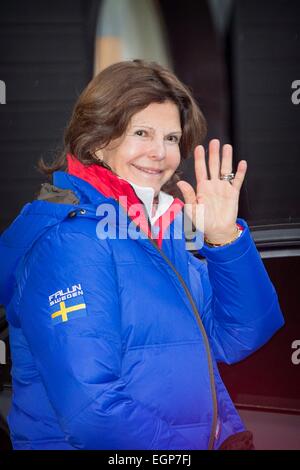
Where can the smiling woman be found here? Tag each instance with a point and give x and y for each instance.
(107, 358)
(148, 153)
(136, 104)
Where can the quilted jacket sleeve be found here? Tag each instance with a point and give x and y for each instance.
(80, 360)
(237, 301)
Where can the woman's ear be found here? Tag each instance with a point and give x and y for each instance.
(98, 155)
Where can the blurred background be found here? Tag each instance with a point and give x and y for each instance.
(241, 59)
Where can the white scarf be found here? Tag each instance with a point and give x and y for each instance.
(146, 194)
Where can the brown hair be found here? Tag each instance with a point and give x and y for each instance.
(104, 109)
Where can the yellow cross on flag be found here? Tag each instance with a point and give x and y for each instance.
(61, 315)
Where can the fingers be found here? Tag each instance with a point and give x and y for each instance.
(240, 175)
(187, 191)
(200, 164)
(215, 167)
(213, 161)
(226, 166)
(214, 158)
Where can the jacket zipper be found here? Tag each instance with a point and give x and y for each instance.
(206, 343)
(203, 332)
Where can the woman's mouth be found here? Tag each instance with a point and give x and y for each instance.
(149, 171)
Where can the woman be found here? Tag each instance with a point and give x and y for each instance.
(115, 328)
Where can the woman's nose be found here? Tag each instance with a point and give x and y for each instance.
(158, 149)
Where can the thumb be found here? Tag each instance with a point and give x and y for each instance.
(187, 192)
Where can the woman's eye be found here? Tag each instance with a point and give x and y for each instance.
(173, 138)
(141, 133)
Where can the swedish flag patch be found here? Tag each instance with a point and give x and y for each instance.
(68, 305)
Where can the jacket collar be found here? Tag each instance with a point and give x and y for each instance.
(146, 195)
(106, 182)
(112, 186)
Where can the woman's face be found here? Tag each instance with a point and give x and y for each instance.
(148, 152)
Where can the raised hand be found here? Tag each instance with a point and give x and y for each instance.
(219, 197)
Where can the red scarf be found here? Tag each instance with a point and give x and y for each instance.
(110, 185)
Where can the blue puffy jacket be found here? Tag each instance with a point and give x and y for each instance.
(107, 335)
